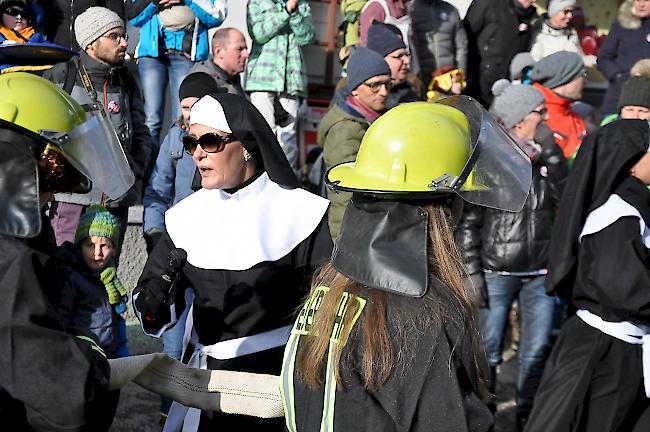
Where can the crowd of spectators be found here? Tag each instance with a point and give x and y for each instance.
(528, 69)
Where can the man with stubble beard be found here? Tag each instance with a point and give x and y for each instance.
(229, 55)
(101, 34)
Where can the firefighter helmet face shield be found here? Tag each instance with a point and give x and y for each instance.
(498, 173)
(94, 149)
(420, 150)
(41, 111)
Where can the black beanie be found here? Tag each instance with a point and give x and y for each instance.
(384, 38)
(198, 84)
(635, 92)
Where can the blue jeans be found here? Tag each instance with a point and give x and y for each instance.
(155, 74)
(536, 317)
(173, 342)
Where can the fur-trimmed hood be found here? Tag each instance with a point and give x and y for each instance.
(626, 17)
(641, 68)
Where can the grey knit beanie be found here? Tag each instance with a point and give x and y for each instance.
(557, 5)
(513, 102)
(364, 64)
(558, 69)
(635, 92)
(93, 23)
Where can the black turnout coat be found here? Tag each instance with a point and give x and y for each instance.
(49, 380)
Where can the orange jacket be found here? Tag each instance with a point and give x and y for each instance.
(568, 127)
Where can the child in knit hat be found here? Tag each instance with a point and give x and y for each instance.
(93, 299)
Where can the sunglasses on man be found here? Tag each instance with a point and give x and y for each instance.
(210, 142)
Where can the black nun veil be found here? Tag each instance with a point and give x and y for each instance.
(601, 168)
(250, 128)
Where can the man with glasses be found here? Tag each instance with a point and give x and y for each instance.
(343, 127)
(386, 39)
(101, 33)
(561, 77)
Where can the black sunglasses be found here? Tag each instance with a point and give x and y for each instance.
(210, 142)
(14, 11)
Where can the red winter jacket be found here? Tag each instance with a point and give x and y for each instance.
(568, 127)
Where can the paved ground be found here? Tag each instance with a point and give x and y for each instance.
(138, 410)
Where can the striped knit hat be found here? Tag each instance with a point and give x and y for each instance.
(97, 221)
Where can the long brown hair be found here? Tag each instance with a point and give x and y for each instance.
(381, 354)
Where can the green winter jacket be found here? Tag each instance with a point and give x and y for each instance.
(275, 63)
(339, 134)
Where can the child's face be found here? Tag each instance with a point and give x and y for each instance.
(97, 252)
(14, 17)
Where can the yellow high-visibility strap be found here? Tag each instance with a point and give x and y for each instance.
(93, 344)
(302, 327)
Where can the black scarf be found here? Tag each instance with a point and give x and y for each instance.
(601, 168)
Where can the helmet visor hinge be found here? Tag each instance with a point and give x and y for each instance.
(445, 181)
(54, 136)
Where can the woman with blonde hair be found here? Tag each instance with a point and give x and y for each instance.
(387, 339)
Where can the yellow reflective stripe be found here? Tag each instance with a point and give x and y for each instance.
(286, 382)
(339, 336)
(303, 327)
(93, 344)
(327, 420)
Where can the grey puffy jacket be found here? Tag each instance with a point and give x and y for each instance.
(440, 36)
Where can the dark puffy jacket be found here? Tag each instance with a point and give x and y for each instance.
(625, 44)
(516, 242)
(496, 32)
(83, 305)
(61, 14)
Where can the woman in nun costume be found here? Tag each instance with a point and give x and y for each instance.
(253, 240)
(598, 375)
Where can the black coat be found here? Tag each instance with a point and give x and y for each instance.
(230, 304)
(59, 24)
(592, 378)
(49, 379)
(516, 242)
(433, 387)
(495, 33)
(622, 48)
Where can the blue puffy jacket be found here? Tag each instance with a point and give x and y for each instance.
(194, 42)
